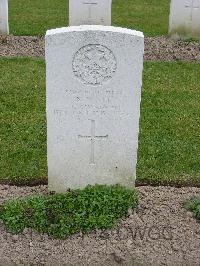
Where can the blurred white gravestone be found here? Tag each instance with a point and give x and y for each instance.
(184, 19)
(90, 12)
(4, 28)
(94, 79)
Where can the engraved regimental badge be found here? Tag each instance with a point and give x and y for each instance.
(94, 64)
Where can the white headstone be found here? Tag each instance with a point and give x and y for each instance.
(184, 19)
(94, 79)
(4, 28)
(90, 12)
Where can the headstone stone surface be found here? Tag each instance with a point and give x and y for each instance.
(90, 12)
(184, 19)
(94, 79)
(4, 28)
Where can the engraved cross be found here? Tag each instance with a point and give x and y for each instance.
(92, 138)
(192, 4)
(90, 4)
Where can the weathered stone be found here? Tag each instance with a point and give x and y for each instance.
(184, 19)
(4, 28)
(90, 12)
(94, 79)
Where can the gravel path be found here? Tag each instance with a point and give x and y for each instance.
(159, 232)
(158, 48)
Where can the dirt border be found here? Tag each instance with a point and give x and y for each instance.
(189, 182)
(156, 48)
(159, 232)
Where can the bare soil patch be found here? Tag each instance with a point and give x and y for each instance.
(156, 49)
(16, 46)
(159, 232)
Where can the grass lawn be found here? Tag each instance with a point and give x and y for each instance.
(170, 123)
(34, 17)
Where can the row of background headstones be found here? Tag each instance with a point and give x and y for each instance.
(184, 19)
